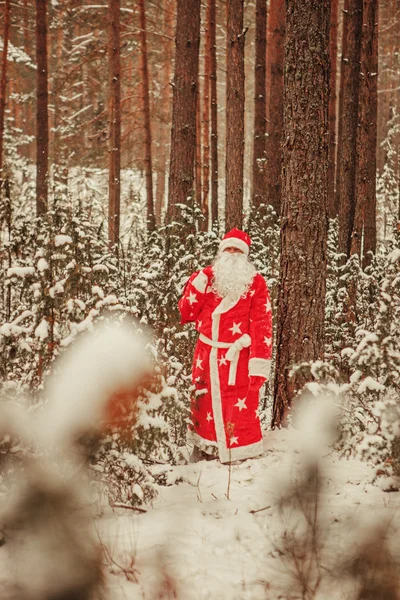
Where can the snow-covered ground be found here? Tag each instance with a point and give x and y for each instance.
(224, 533)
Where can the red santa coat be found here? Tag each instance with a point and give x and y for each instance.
(235, 343)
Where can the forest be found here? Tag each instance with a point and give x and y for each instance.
(134, 134)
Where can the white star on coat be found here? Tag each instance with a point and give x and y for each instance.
(233, 440)
(268, 306)
(198, 363)
(252, 293)
(257, 411)
(235, 328)
(241, 403)
(209, 417)
(192, 298)
(199, 323)
(267, 340)
(222, 360)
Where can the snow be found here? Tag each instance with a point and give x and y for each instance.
(42, 330)
(20, 271)
(104, 361)
(61, 240)
(42, 265)
(370, 384)
(216, 532)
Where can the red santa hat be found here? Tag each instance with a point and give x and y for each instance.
(236, 239)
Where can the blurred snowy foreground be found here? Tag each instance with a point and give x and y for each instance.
(298, 522)
(280, 526)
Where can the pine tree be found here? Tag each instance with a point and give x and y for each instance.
(151, 223)
(114, 120)
(42, 109)
(235, 42)
(3, 81)
(183, 134)
(348, 142)
(214, 115)
(275, 62)
(259, 136)
(301, 295)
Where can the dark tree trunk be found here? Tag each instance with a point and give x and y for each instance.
(183, 134)
(259, 191)
(332, 209)
(275, 61)
(206, 122)
(3, 82)
(367, 136)
(114, 120)
(234, 115)
(345, 27)
(42, 109)
(301, 296)
(214, 115)
(151, 223)
(347, 159)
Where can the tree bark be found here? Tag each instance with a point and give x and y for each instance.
(350, 89)
(303, 241)
(166, 111)
(151, 223)
(275, 61)
(3, 82)
(183, 134)
(198, 148)
(345, 28)
(368, 116)
(114, 121)
(259, 191)
(206, 121)
(234, 115)
(332, 209)
(42, 109)
(214, 116)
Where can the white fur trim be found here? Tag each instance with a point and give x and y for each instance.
(259, 367)
(200, 282)
(242, 452)
(216, 399)
(200, 442)
(234, 243)
(225, 305)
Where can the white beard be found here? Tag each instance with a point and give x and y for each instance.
(233, 275)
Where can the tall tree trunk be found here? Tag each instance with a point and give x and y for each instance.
(42, 109)
(275, 60)
(301, 296)
(367, 147)
(151, 222)
(198, 148)
(214, 115)
(206, 121)
(350, 89)
(345, 27)
(234, 115)
(166, 110)
(260, 121)
(183, 134)
(3, 82)
(332, 209)
(114, 120)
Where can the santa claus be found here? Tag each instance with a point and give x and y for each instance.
(229, 303)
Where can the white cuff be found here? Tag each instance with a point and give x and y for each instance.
(200, 282)
(259, 367)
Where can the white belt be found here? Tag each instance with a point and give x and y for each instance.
(233, 353)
